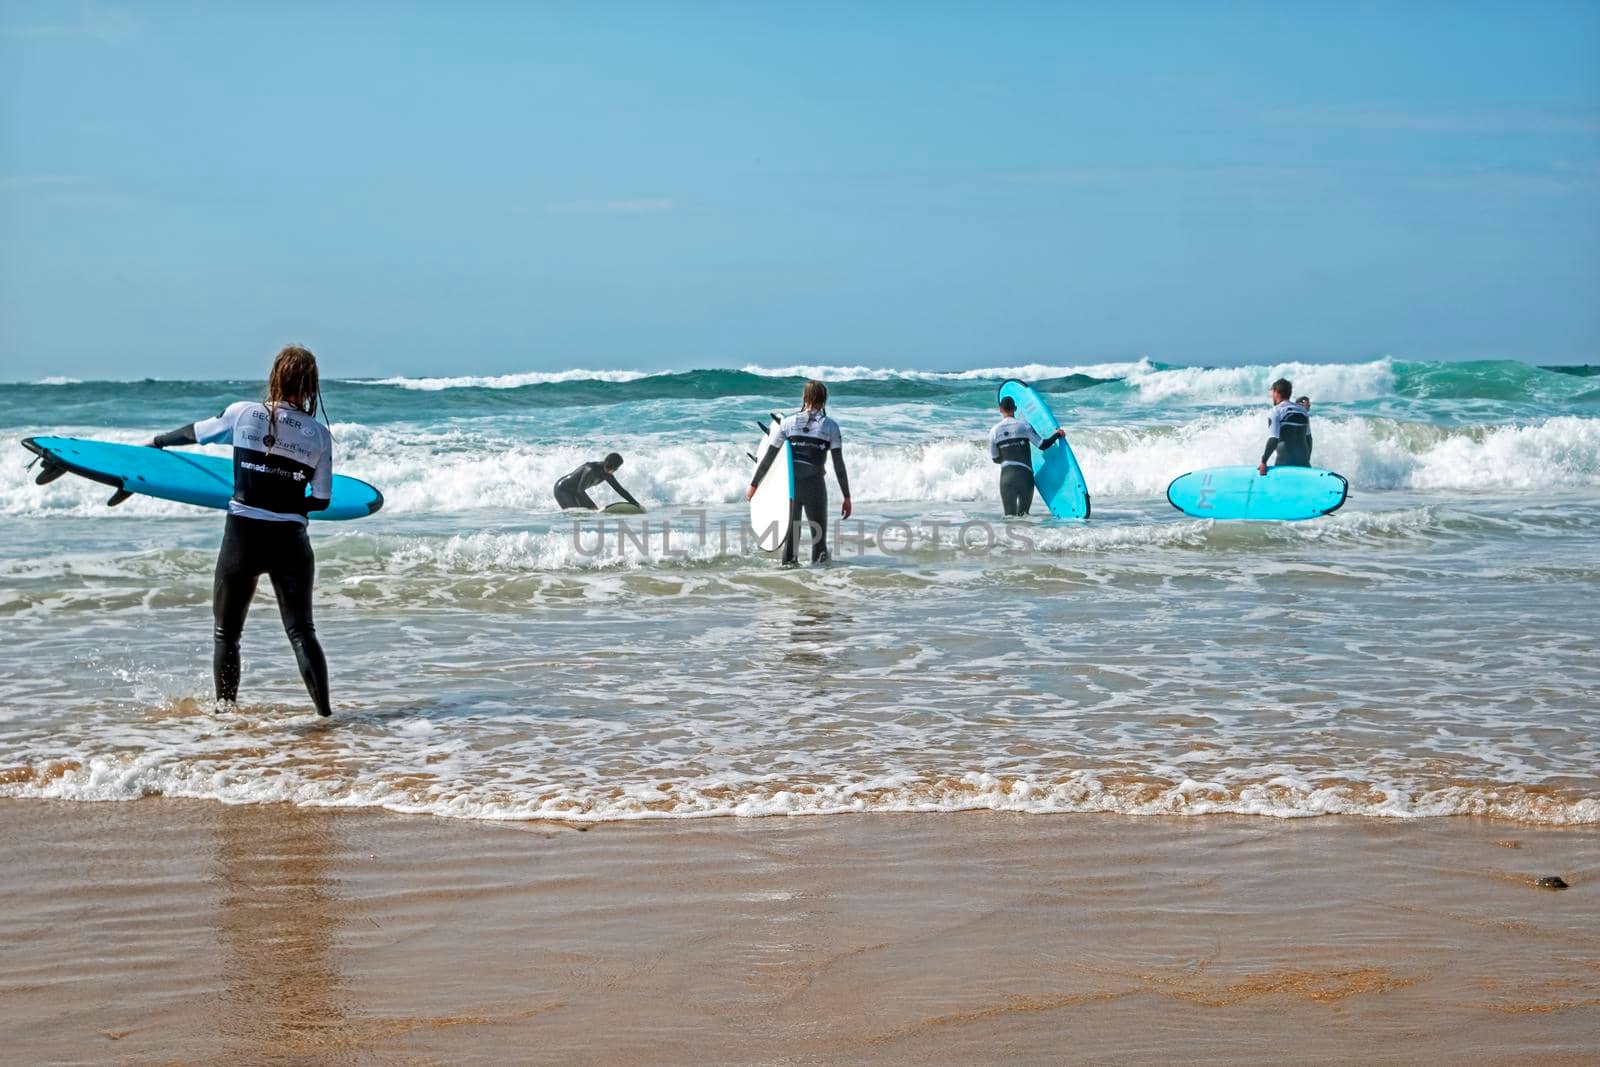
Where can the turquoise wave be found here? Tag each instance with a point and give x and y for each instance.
(140, 403)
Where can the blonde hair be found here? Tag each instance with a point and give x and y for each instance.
(815, 396)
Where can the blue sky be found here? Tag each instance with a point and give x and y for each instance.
(489, 187)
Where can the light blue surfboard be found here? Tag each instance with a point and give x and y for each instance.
(1056, 474)
(1283, 493)
(172, 474)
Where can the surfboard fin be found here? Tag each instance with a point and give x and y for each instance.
(50, 473)
(118, 497)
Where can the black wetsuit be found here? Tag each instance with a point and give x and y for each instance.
(281, 551)
(812, 437)
(1016, 490)
(572, 490)
(283, 470)
(1289, 435)
(1010, 445)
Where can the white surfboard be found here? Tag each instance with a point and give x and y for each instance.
(769, 508)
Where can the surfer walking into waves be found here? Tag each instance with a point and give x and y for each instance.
(572, 490)
(279, 452)
(1009, 445)
(813, 436)
(1305, 402)
(1288, 429)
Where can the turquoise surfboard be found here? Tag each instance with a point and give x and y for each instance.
(172, 474)
(1283, 493)
(1056, 474)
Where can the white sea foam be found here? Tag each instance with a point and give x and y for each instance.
(1261, 793)
(427, 471)
(506, 381)
(1031, 372)
(1325, 382)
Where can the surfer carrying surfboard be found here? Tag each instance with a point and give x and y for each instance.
(279, 452)
(812, 436)
(1009, 445)
(1288, 429)
(572, 490)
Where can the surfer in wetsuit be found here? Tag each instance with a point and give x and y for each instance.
(812, 436)
(572, 490)
(1305, 402)
(1009, 445)
(1288, 429)
(279, 452)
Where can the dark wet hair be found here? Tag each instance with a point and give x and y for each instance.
(293, 382)
(614, 460)
(1008, 405)
(1283, 387)
(815, 396)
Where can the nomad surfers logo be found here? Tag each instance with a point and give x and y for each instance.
(694, 533)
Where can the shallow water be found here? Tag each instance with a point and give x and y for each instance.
(1429, 650)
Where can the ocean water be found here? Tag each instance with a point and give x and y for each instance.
(1429, 650)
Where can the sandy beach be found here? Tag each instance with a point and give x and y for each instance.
(167, 931)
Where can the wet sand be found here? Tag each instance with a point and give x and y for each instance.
(165, 931)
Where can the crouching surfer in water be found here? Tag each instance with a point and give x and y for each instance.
(812, 436)
(279, 450)
(1288, 429)
(572, 491)
(1009, 445)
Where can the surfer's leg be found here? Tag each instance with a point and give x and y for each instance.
(1016, 490)
(791, 536)
(231, 590)
(813, 494)
(293, 574)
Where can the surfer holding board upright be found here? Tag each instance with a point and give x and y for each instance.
(812, 436)
(1009, 445)
(1288, 429)
(279, 450)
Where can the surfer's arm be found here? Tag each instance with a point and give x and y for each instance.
(183, 435)
(761, 468)
(1272, 446)
(321, 483)
(623, 493)
(844, 480)
(1059, 435)
(209, 431)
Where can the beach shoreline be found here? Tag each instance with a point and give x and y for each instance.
(183, 931)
